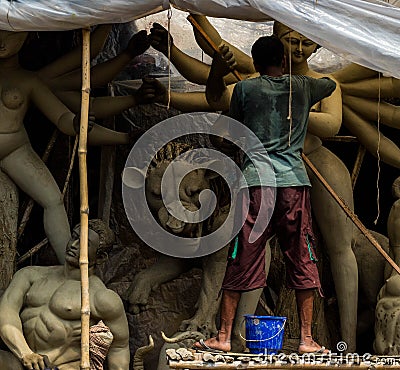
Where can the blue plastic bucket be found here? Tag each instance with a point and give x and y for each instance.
(264, 334)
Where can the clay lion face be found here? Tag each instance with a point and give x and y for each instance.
(298, 46)
(194, 181)
(11, 42)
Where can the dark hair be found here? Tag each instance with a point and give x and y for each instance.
(268, 51)
(106, 235)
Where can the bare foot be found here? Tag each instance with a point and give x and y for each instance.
(309, 346)
(212, 344)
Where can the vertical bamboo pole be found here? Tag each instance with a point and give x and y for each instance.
(84, 209)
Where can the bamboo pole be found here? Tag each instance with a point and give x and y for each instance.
(357, 165)
(341, 203)
(84, 209)
(191, 19)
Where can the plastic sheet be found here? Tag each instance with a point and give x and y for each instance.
(362, 31)
(58, 15)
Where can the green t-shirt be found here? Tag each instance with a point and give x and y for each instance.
(262, 104)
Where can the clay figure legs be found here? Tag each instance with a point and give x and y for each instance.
(337, 231)
(31, 175)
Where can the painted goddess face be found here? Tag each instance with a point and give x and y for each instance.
(11, 42)
(298, 46)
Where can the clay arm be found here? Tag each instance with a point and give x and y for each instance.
(185, 102)
(389, 114)
(73, 59)
(110, 309)
(244, 62)
(327, 121)
(101, 107)
(106, 106)
(103, 73)
(63, 118)
(387, 87)
(354, 72)
(369, 136)
(190, 68)
(10, 322)
(217, 93)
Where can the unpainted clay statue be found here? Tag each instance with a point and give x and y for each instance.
(64, 75)
(167, 268)
(324, 121)
(387, 333)
(364, 107)
(40, 312)
(20, 88)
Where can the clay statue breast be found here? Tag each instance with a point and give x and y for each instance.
(12, 98)
(65, 303)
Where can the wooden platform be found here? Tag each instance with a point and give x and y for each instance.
(208, 360)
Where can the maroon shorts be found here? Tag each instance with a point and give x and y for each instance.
(291, 222)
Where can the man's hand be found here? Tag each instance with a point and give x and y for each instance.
(159, 38)
(77, 122)
(138, 44)
(223, 62)
(151, 91)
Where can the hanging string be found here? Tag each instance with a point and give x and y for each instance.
(289, 117)
(8, 15)
(169, 16)
(378, 155)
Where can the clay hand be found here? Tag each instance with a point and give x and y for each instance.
(138, 44)
(151, 91)
(77, 122)
(223, 62)
(159, 38)
(34, 361)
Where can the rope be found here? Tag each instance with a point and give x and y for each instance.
(378, 151)
(290, 91)
(169, 16)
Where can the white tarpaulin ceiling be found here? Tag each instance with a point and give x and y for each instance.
(363, 31)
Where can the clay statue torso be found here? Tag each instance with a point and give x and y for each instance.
(13, 106)
(51, 314)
